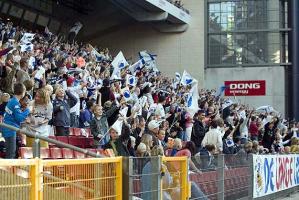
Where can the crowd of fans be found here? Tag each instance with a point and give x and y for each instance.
(61, 84)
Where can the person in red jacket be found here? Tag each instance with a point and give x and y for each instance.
(253, 129)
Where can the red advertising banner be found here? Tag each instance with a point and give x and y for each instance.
(245, 88)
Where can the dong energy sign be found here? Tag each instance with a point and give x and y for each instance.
(274, 173)
(245, 88)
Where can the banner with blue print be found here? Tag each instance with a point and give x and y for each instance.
(274, 173)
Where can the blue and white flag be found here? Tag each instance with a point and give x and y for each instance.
(178, 76)
(137, 66)
(96, 54)
(119, 61)
(221, 91)
(227, 103)
(149, 59)
(27, 38)
(187, 79)
(192, 100)
(131, 80)
(118, 124)
(126, 93)
(118, 64)
(26, 47)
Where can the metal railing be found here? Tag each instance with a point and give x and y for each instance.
(38, 137)
(156, 178)
(36, 179)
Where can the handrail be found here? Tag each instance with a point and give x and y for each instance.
(50, 140)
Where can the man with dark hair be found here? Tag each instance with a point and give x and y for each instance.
(86, 114)
(199, 129)
(213, 137)
(14, 116)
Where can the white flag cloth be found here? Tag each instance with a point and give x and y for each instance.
(118, 124)
(131, 80)
(136, 66)
(126, 93)
(26, 47)
(192, 100)
(187, 79)
(151, 110)
(227, 103)
(76, 28)
(118, 64)
(178, 76)
(123, 112)
(96, 54)
(40, 73)
(266, 109)
(27, 38)
(149, 59)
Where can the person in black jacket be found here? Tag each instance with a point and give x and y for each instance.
(199, 129)
(269, 134)
(61, 111)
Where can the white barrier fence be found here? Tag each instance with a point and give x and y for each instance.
(274, 173)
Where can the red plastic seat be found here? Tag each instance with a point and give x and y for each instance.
(72, 131)
(55, 153)
(67, 153)
(77, 141)
(79, 155)
(64, 139)
(44, 153)
(88, 131)
(26, 152)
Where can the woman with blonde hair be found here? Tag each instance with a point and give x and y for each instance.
(148, 141)
(41, 114)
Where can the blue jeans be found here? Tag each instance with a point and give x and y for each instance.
(11, 147)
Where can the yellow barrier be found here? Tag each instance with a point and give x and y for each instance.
(94, 178)
(178, 170)
(17, 179)
(36, 179)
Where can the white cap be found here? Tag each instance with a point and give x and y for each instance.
(153, 124)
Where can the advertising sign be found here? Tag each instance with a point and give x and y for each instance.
(245, 88)
(274, 173)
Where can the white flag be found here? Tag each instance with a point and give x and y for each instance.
(227, 103)
(187, 79)
(192, 100)
(136, 66)
(96, 54)
(118, 64)
(149, 59)
(117, 126)
(26, 47)
(76, 28)
(126, 93)
(131, 80)
(151, 110)
(27, 38)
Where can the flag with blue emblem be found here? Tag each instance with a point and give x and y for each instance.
(228, 102)
(26, 47)
(187, 79)
(178, 76)
(192, 100)
(118, 64)
(149, 59)
(137, 66)
(126, 93)
(131, 80)
(99, 57)
(27, 38)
